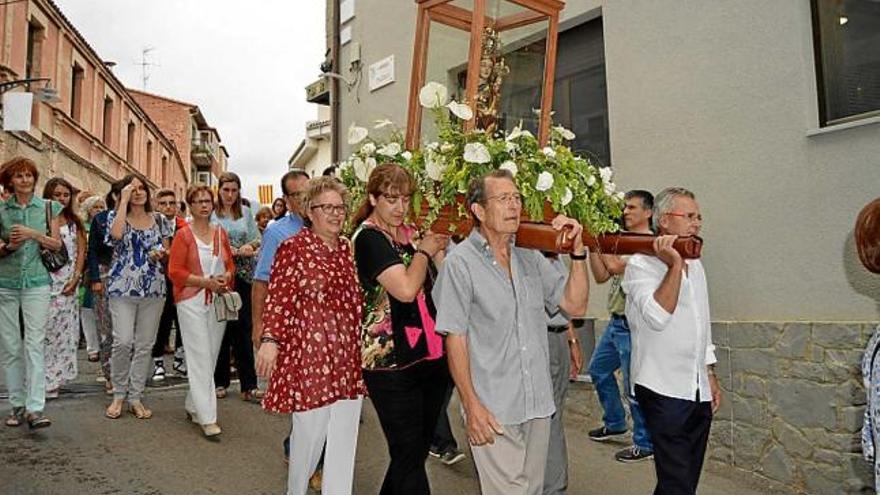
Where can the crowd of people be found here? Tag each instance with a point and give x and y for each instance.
(390, 313)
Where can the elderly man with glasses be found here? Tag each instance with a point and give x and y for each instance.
(492, 301)
(673, 357)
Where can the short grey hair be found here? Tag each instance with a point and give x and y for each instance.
(663, 203)
(476, 193)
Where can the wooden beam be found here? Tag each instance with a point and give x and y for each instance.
(476, 50)
(450, 21)
(546, 7)
(520, 19)
(549, 80)
(431, 3)
(417, 79)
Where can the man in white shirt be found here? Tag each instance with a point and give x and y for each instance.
(673, 357)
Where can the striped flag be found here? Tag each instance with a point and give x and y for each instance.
(265, 192)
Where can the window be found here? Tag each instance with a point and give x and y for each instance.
(34, 49)
(77, 74)
(149, 164)
(847, 44)
(107, 131)
(129, 143)
(164, 171)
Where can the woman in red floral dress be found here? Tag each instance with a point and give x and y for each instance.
(310, 346)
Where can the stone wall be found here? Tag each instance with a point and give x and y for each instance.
(793, 404)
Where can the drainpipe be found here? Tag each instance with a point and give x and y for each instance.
(334, 87)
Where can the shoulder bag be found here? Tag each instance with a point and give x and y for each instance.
(52, 260)
(226, 304)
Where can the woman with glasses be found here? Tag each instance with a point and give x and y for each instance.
(404, 366)
(310, 346)
(62, 322)
(201, 266)
(136, 292)
(238, 221)
(24, 290)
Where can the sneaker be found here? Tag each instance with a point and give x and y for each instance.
(434, 451)
(179, 366)
(158, 371)
(603, 434)
(452, 456)
(633, 454)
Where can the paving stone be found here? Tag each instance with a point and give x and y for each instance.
(802, 403)
(754, 361)
(777, 465)
(754, 335)
(820, 480)
(850, 419)
(751, 386)
(751, 411)
(749, 444)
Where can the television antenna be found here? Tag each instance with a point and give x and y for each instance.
(145, 64)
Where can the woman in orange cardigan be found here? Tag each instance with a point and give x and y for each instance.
(200, 266)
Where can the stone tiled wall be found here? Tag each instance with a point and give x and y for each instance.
(793, 404)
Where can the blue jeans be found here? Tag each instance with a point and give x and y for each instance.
(613, 352)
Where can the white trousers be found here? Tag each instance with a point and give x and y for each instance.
(337, 424)
(90, 329)
(202, 335)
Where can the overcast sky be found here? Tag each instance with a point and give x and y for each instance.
(245, 64)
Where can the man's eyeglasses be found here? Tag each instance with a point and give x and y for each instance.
(167, 203)
(394, 198)
(507, 198)
(690, 217)
(329, 209)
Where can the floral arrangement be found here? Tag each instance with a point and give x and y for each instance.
(442, 170)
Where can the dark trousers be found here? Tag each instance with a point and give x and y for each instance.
(169, 316)
(443, 440)
(408, 402)
(680, 432)
(238, 338)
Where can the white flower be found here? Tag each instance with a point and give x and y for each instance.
(432, 146)
(606, 173)
(368, 149)
(362, 168)
(509, 165)
(356, 134)
(619, 195)
(517, 133)
(390, 149)
(567, 197)
(446, 147)
(565, 133)
(460, 110)
(549, 152)
(591, 180)
(545, 181)
(476, 153)
(511, 147)
(406, 155)
(434, 166)
(610, 187)
(433, 95)
(383, 123)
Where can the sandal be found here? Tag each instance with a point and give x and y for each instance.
(140, 411)
(255, 395)
(114, 410)
(93, 357)
(36, 420)
(16, 417)
(220, 392)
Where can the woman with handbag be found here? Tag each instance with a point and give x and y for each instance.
(310, 343)
(136, 292)
(62, 323)
(201, 270)
(29, 232)
(244, 237)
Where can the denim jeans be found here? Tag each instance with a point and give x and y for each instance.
(613, 352)
(23, 359)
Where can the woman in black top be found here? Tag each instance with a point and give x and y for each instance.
(404, 366)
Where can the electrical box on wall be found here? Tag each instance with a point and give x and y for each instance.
(355, 52)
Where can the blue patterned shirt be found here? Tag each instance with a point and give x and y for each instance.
(133, 273)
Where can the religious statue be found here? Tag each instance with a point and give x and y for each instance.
(493, 69)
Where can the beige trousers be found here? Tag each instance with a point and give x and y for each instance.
(515, 463)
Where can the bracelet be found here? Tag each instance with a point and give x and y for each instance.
(572, 341)
(423, 252)
(578, 257)
(268, 339)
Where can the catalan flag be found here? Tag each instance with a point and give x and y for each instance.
(265, 193)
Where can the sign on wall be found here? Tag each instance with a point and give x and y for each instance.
(382, 73)
(17, 111)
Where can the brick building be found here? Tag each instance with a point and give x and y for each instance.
(204, 158)
(95, 132)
